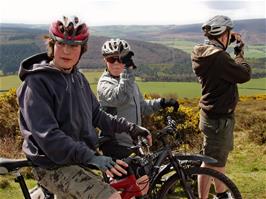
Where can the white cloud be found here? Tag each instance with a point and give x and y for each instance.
(110, 12)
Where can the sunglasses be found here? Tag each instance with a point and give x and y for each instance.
(113, 60)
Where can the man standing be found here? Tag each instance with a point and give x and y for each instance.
(218, 74)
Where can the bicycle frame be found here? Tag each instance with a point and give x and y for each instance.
(160, 169)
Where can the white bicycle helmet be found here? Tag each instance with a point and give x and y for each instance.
(217, 25)
(115, 47)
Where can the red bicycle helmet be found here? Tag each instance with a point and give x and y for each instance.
(69, 30)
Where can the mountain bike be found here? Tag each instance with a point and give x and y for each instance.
(170, 174)
(173, 174)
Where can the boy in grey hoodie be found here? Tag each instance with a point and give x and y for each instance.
(120, 96)
(218, 74)
(58, 114)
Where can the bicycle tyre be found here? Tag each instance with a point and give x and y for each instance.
(172, 188)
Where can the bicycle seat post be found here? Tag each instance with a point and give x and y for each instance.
(20, 179)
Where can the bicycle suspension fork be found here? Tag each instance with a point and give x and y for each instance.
(182, 176)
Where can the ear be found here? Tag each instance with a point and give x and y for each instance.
(224, 38)
(104, 62)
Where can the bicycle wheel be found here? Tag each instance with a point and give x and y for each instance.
(173, 187)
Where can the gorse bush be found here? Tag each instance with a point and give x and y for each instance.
(9, 114)
(250, 118)
(10, 138)
(187, 119)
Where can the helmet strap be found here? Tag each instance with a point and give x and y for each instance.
(222, 43)
(228, 39)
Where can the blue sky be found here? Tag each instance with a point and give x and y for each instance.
(129, 12)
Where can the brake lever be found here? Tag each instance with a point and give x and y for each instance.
(143, 142)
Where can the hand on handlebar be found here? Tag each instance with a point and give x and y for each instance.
(107, 165)
(117, 169)
(136, 131)
(149, 139)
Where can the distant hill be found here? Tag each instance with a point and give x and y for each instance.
(20, 42)
(252, 30)
(157, 48)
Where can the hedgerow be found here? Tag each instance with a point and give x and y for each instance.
(250, 117)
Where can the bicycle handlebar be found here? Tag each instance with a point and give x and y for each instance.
(171, 122)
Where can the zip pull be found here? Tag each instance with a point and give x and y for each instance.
(72, 78)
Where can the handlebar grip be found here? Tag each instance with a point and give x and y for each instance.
(171, 122)
(129, 158)
(168, 118)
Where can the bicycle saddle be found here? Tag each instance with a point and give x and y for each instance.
(8, 165)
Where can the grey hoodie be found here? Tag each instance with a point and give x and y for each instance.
(122, 96)
(58, 115)
(218, 74)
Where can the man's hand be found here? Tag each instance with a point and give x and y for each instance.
(236, 37)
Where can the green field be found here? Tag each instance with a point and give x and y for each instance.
(179, 89)
(179, 44)
(251, 51)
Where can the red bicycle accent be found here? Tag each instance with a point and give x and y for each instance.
(128, 187)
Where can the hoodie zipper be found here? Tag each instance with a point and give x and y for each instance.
(72, 78)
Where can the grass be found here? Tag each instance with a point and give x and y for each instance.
(184, 45)
(12, 189)
(246, 167)
(255, 51)
(180, 89)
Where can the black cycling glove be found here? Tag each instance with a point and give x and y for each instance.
(169, 103)
(101, 162)
(127, 59)
(238, 48)
(136, 131)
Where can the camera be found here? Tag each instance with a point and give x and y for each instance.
(232, 39)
